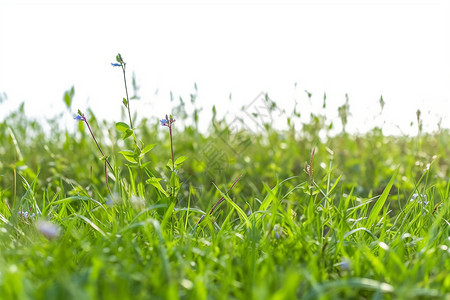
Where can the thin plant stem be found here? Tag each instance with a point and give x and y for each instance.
(173, 162)
(123, 64)
(309, 169)
(168, 122)
(15, 186)
(106, 176)
(220, 200)
(126, 92)
(171, 147)
(98, 146)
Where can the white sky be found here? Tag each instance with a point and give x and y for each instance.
(398, 49)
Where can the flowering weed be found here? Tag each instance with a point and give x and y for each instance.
(367, 217)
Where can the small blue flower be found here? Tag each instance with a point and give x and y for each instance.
(26, 215)
(278, 230)
(422, 199)
(79, 118)
(346, 265)
(115, 65)
(164, 122)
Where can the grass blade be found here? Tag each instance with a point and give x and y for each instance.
(380, 202)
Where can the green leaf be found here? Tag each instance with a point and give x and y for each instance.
(180, 160)
(169, 164)
(127, 134)
(125, 102)
(380, 202)
(67, 100)
(155, 182)
(137, 152)
(122, 127)
(175, 181)
(347, 234)
(148, 148)
(240, 212)
(145, 164)
(128, 155)
(68, 95)
(80, 126)
(271, 194)
(335, 184)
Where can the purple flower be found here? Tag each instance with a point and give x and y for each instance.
(48, 229)
(116, 65)
(164, 122)
(79, 118)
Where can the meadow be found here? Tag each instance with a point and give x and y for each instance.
(156, 209)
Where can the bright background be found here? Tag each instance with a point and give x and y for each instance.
(398, 49)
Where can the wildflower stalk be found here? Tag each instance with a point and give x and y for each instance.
(81, 117)
(171, 147)
(168, 121)
(122, 64)
(126, 102)
(309, 169)
(128, 99)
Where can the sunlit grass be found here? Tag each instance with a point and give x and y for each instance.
(367, 218)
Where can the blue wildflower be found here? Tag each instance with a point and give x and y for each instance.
(278, 230)
(164, 122)
(26, 215)
(115, 65)
(346, 264)
(422, 199)
(79, 118)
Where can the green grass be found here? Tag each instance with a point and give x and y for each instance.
(347, 230)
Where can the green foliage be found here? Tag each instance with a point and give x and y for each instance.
(68, 97)
(369, 219)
